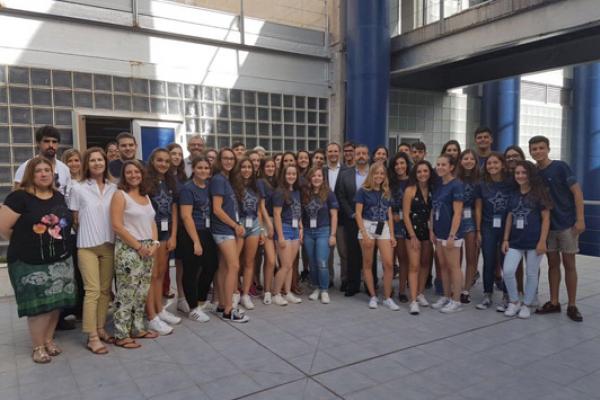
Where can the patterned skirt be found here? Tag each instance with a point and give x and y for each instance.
(43, 288)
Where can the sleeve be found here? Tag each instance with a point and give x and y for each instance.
(217, 186)
(185, 197)
(359, 197)
(75, 198)
(277, 199)
(458, 194)
(20, 172)
(260, 185)
(332, 202)
(568, 174)
(16, 201)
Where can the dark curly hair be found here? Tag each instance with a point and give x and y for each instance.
(239, 183)
(153, 178)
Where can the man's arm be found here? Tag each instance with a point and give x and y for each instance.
(579, 227)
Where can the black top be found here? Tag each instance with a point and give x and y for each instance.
(42, 233)
(419, 214)
(115, 167)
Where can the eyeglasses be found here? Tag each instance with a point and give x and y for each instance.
(515, 157)
(227, 158)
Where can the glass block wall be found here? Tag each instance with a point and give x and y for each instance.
(31, 97)
(432, 117)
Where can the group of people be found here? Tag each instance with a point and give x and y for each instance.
(235, 222)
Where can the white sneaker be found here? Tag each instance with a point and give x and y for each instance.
(247, 302)
(451, 307)
(267, 298)
(422, 300)
(373, 302)
(169, 318)
(389, 303)
(414, 308)
(441, 302)
(314, 295)
(291, 298)
(209, 307)
(324, 297)
(280, 300)
(235, 300)
(159, 326)
(183, 306)
(501, 307)
(512, 309)
(524, 312)
(236, 316)
(485, 303)
(198, 315)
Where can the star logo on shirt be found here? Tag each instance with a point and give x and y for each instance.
(312, 208)
(469, 191)
(250, 202)
(521, 211)
(163, 202)
(296, 208)
(499, 202)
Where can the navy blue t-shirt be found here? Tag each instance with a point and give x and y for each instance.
(291, 209)
(375, 206)
(397, 198)
(266, 192)
(526, 221)
(559, 178)
(220, 186)
(197, 197)
(494, 199)
(162, 202)
(319, 210)
(249, 204)
(444, 195)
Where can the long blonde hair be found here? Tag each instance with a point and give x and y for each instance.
(369, 183)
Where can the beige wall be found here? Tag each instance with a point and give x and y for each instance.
(302, 13)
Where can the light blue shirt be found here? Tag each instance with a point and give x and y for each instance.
(360, 179)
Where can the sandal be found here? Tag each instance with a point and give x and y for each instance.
(146, 335)
(105, 337)
(52, 348)
(40, 356)
(127, 343)
(98, 348)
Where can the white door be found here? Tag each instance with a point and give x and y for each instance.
(152, 134)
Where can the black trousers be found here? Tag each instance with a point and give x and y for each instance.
(355, 258)
(198, 271)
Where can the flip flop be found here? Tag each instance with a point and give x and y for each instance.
(147, 335)
(128, 343)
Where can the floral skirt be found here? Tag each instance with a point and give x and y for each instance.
(43, 288)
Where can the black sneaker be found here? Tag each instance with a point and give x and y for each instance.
(235, 316)
(465, 298)
(402, 298)
(574, 314)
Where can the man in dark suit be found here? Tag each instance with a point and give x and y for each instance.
(331, 172)
(347, 184)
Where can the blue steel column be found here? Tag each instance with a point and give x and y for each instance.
(500, 111)
(367, 71)
(585, 149)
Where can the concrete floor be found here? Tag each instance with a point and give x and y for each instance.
(340, 350)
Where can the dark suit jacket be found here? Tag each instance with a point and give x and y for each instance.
(345, 190)
(326, 175)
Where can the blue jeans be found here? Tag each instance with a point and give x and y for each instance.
(316, 244)
(491, 239)
(511, 263)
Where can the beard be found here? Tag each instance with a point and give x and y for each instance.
(49, 153)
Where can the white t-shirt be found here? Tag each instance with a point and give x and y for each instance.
(93, 208)
(60, 168)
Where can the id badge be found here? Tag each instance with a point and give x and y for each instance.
(237, 217)
(497, 222)
(207, 222)
(437, 214)
(249, 222)
(401, 215)
(372, 228)
(467, 214)
(295, 223)
(164, 225)
(313, 222)
(520, 223)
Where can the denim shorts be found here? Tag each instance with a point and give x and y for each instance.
(222, 238)
(399, 230)
(289, 233)
(467, 225)
(254, 230)
(163, 236)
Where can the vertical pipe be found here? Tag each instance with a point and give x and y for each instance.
(242, 23)
(500, 111)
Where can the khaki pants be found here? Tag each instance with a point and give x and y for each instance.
(96, 266)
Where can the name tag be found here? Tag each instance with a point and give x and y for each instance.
(467, 213)
(372, 229)
(437, 214)
(313, 222)
(164, 225)
(249, 222)
(294, 222)
(207, 222)
(497, 222)
(237, 217)
(401, 215)
(520, 223)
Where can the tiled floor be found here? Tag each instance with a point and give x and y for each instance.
(340, 350)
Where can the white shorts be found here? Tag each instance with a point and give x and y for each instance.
(371, 227)
(457, 242)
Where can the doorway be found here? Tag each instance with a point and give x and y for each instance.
(101, 130)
